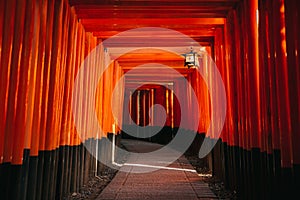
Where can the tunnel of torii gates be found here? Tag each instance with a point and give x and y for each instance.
(254, 44)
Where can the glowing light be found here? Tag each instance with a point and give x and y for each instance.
(283, 31)
(167, 101)
(257, 17)
(202, 49)
(205, 175)
(156, 167)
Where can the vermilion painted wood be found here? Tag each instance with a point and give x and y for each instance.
(282, 84)
(147, 108)
(65, 63)
(119, 99)
(107, 11)
(102, 94)
(2, 6)
(112, 71)
(238, 78)
(272, 77)
(73, 31)
(10, 128)
(33, 75)
(226, 59)
(134, 111)
(62, 74)
(127, 107)
(191, 120)
(220, 63)
(141, 22)
(85, 91)
(55, 69)
(97, 96)
(181, 91)
(263, 62)
(110, 120)
(169, 108)
(69, 65)
(99, 93)
(293, 49)
(40, 65)
(6, 56)
(90, 79)
(122, 99)
(195, 105)
(95, 27)
(142, 3)
(244, 76)
(81, 56)
(75, 108)
(232, 87)
(196, 32)
(93, 82)
(204, 101)
(106, 98)
(160, 98)
(231, 79)
(92, 133)
(253, 76)
(187, 105)
(46, 74)
(118, 20)
(23, 86)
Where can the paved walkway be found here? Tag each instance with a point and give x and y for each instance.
(177, 181)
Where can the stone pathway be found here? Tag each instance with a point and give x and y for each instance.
(176, 181)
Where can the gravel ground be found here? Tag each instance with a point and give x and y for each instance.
(95, 185)
(215, 184)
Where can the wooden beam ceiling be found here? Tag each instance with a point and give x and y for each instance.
(198, 19)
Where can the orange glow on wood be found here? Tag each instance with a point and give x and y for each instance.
(52, 126)
(36, 120)
(22, 96)
(6, 56)
(46, 74)
(10, 130)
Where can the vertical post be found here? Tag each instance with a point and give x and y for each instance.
(5, 67)
(292, 21)
(113, 144)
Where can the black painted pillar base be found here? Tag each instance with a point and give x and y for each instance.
(32, 177)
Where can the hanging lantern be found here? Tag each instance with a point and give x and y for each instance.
(191, 59)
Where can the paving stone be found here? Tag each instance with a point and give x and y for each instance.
(161, 184)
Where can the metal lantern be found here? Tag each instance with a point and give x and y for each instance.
(191, 59)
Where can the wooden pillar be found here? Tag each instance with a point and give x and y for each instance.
(31, 138)
(13, 175)
(293, 50)
(20, 154)
(65, 82)
(46, 79)
(36, 163)
(9, 9)
(74, 138)
(52, 126)
(282, 94)
(14, 81)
